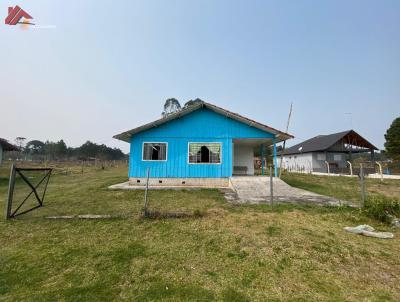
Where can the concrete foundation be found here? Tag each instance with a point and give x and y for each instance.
(179, 182)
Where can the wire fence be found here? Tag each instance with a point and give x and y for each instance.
(169, 204)
(64, 167)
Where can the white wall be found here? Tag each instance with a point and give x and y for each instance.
(243, 155)
(298, 162)
(312, 162)
(319, 164)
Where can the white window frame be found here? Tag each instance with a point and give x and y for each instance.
(188, 153)
(166, 151)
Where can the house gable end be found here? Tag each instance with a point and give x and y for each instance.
(204, 123)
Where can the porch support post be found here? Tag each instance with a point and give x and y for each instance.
(262, 158)
(275, 162)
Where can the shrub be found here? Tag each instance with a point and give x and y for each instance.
(382, 208)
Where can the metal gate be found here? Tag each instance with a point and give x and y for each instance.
(33, 189)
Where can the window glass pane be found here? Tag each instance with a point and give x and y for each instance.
(154, 151)
(337, 157)
(205, 153)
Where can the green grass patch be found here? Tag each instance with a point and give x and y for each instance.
(382, 198)
(382, 208)
(342, 187)
(273, 230)
(224, 252)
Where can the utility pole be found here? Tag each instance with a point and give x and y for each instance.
(284, 142)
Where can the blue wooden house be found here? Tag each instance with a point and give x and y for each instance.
(202, 144)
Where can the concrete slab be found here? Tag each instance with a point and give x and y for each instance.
(246, 189)
(128, 185)
(256, 189)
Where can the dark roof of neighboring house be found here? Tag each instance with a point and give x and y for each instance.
(281, 136)
(7, 146)
(324, 142)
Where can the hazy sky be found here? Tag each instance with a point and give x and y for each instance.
(108, 66)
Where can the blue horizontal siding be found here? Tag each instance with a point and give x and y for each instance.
(202, 125)
(177, 164)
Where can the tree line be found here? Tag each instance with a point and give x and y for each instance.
(48, 150)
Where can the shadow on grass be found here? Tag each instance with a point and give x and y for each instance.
(174, 215)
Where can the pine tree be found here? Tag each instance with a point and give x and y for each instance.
(392, 137)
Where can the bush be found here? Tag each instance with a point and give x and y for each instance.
(382, 208)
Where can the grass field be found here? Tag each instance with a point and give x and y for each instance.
(232, 253)
(346, 188)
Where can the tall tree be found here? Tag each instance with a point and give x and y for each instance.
(88, 150)
(35, 147)
(20, 141)
(392, 137)
(60, 149)
(49, 149)
(171, 106)
(193, 102)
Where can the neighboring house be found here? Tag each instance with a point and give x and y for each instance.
(333, 150)
(197, 145)
(6, 146)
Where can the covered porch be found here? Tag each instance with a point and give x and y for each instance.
(243, 155)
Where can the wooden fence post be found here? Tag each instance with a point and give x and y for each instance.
(362, 183)
(271, 187)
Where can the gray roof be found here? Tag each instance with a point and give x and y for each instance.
(324, 142)
(281, 136)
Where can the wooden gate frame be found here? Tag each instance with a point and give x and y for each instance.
(14, 170)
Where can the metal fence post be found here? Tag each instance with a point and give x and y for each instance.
(351, 167)
(11, 184)
(145, 193)
(327, 167)
(380, 170)
(362, 183)
(271, 186)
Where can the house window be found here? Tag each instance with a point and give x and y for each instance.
(154, 151)
(204, 153)
(337, 157)
(321, 156)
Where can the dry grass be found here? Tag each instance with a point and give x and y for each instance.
(233, 253)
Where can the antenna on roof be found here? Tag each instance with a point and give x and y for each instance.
(284, 142)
